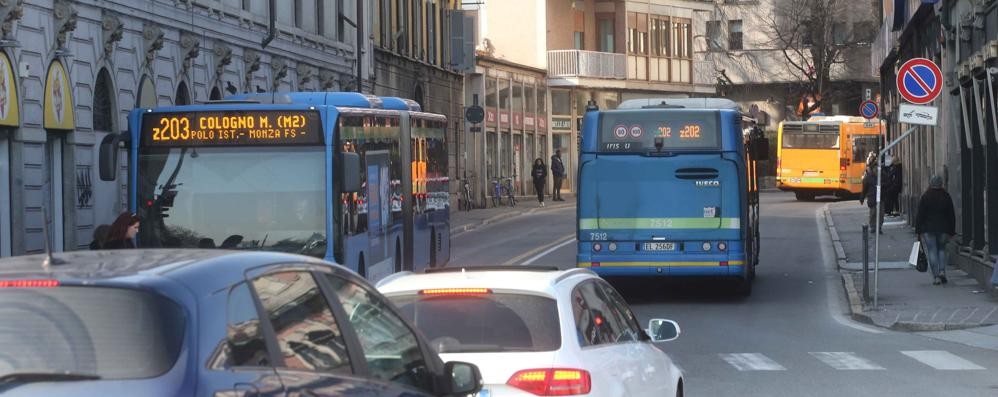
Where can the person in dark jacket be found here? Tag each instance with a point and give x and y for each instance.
(894, 182)
(870, 194)
(935, 224)
(123, 232)
(558, 172)
(539, 173)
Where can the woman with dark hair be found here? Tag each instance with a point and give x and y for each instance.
(540, 175)
(100, 236)
(123, 232)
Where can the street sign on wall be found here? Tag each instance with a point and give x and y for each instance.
(919, 81)
(913, 114)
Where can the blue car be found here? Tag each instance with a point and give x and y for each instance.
(208, 323)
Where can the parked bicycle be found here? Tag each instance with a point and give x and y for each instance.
(497, 192)
(509, 190)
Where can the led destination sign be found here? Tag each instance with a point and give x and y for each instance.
(637, 131)
(232, 128)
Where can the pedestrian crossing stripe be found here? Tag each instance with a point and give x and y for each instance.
(942, 360)
(849, 361)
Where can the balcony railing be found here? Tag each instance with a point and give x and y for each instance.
(577, 63)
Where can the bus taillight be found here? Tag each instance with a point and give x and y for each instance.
(843, 163)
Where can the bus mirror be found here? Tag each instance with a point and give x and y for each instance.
(350, 172)
(760, 149)
(108, 157)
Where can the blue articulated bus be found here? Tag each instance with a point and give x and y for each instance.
(668, 188)
(357, 179)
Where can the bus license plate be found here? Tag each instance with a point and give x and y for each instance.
(659, 247)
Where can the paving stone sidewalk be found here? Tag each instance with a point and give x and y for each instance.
(464, 221)
(907, 300)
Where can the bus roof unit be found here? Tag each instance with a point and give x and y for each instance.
(396, 103)
(688, 103)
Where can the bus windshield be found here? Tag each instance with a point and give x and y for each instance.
(258, 198)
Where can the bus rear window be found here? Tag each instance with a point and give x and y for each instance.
(810, 141)
(637, 131)
(113, 333)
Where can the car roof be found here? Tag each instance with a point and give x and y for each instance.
(212, 266)
(508, 278)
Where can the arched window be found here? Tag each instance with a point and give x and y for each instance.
(418, 97)
(103, 110)
(215, 94)
(183, 96)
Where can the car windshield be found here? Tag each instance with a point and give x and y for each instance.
(112, 333)
(500, 322)
(256, 198)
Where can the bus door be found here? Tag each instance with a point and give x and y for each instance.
(861, 147)
(378, 191)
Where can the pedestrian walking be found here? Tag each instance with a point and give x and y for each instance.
(869, 194)
(100, 236)
(558, 172)
(935, 224)
(539, 173)
(123, 231)
(893, 185)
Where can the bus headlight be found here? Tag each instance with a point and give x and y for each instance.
(597, 247)
(612, 246)
(722, 246)
(706, 246)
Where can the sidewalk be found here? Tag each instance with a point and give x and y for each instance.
(464, 221)
(907, 300)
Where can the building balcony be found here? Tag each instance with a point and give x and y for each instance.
(591, 64)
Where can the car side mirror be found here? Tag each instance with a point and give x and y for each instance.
(350, 172)
(463, 378)
(108, 157)
(663, 330)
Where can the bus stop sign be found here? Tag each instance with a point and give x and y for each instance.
(869, 110)
(919, 81)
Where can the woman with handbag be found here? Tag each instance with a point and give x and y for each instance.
(935, 224)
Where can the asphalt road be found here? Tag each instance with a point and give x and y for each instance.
(790, 338)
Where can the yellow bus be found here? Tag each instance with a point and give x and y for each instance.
(825, 155)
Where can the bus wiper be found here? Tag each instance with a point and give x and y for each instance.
(30, 377)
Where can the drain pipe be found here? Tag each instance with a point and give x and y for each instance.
(360, 45)
(272, 32)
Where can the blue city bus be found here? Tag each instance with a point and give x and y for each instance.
(357, 179)
(667, 188)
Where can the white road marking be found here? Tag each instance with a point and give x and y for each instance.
(940, 359)
(548, 251)
(751, 362)
(845, 361)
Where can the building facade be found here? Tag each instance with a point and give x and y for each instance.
(72, 70)
(961, 36)
(609, 51)
(420, 53)
(761, 53)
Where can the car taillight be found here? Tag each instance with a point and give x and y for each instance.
(28, 283)
(455, 291)
(552, 381)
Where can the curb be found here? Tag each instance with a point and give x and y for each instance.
(459, 230)
(840, 252)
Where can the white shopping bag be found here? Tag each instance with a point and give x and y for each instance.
(913, 257)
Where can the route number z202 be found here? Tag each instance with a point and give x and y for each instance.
(597, 236)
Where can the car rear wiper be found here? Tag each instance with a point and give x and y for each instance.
(30, 377)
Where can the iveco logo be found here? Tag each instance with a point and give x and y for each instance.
(708, 183)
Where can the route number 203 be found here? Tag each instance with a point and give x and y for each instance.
(597, 236)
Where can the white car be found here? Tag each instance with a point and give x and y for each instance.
(538, 331)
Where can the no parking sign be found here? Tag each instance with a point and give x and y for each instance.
(919, 81)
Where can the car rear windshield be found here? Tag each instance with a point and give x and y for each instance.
(112, 333)
(500, 322)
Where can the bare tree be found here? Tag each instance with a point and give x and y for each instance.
(813, 37)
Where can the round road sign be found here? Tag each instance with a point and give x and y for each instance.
(869, 109)
(919, 81)
(474, 114)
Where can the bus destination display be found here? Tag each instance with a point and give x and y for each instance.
(637, 131)
(232, 128)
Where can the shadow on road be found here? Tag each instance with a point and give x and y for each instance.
(685, 290)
